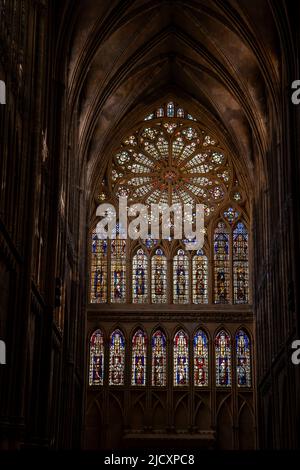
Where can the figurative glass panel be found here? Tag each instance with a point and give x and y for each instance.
(243, 359)
(139, 357)
(98, 270)
(223, 359)
(159, 359)
(96, 358)
(200, 278)
(200, 359)
(159, 277)
(181, 359)
(181, 278)
(116, 358)
(240, 265)
(221, 264)
(118, 270)
(140, 277)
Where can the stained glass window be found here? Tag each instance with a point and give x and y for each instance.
(98, 270)
(231, 215)
(240, 265)
(200, 278)
(221, 267)
(96, 358)
(181, 278)
(139, 357)
(116, 358)
(170, 109)
(181, 359)
(159, 277)
(159, 359)
(200, 359)
(140, 277)
(243, 359)
(172, 162)
(223, 359)
(118, 270)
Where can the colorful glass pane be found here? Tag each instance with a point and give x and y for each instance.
(159, 277)
(181, 359)
(116, 358)
(139, 357)
(170, 109)
(118, 270)
(200, 278)
(140, 277)
(181, 278)
(98, 270)
(200, 359)
(243, 359)
(221, 264)
(231, 215)
(240, 265)
(96, 358)
(159, 359)
(223, 359)
(172, 163)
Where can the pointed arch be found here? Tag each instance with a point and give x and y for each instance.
(140, 277)
(118, 270)
(221, 264)
(159, 277)
(181, 276)
(200, 278)
(223, 359)
(139, 358)
(98, 292)
(243, 359)
(117, 358)
(159, 359)
(201, 358)
(240, 264)
(181, 358)
(96, 366)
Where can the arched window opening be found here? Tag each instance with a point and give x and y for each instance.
(116, 358)
(181, 278)
(240, 265)
(223, 359)
(221, 264)
(96, 375)
(140, 277)
(118, 270)
(200, 278)
(159, 277)
(181, 359)
(139, 358)
(159, 359)
(243, 359)
(98, 270)
(200, 345)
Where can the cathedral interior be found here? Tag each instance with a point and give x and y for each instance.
(128, 342)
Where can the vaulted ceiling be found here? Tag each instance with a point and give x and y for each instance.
(217, 58)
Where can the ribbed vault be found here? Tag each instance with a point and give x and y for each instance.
(215, 58)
